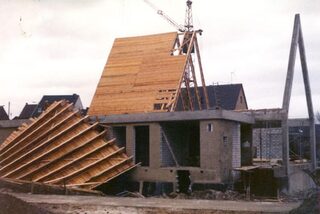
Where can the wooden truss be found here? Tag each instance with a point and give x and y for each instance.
(187, 44)
(60, 147)
(297, 42)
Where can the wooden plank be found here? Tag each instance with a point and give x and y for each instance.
(47, 152)
(64, 155)
(204, 87)
(57, 170)
(6, 168)
(8, 144)
(4, 154)
(107, 170)
(27, 146)
(109, 179)
(74, 173)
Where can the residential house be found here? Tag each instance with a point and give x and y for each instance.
(49, 99)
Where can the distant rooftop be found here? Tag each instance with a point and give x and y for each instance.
(27, 111)
(220, 96)
(3, 114)
(49, 99)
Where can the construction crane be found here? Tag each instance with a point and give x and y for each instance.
(188, 26)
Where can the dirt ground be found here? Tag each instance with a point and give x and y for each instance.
(16, 198)
(13, 205)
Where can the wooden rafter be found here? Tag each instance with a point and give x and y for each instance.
(63, 146)
(83, 169)
(7, 144)
(205, 92)
(50, 151)
(74, 161)
(5, 168)
(39, 169)
(26, 144)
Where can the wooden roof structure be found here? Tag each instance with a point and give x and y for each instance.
(143, 74)
(60, 147)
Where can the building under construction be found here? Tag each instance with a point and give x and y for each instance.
(154, 121)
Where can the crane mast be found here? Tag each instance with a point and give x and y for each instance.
(188, 23)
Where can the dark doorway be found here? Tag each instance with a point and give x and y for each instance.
(246, 145)
(142, 145)
(184, 181)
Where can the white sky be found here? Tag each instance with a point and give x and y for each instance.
(61, 46)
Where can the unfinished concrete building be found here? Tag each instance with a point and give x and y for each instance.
(175, 132)
(172, 130)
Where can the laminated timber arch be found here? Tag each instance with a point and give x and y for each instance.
(297, 42)
(145, 74)
(61, 147)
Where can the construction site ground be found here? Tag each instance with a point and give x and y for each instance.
(35, 203)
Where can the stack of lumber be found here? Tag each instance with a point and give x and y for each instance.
(61, 147)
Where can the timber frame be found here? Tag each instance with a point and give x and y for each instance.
(187, 43)
(60, 147)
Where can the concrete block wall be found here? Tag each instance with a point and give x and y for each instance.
(270, 141)
(165, 154)
(236, 147)
(155, 142)
(130, 141)
(216, 147)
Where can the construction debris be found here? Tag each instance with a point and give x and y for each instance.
(61, 147)
(19, 186)
(209, 194)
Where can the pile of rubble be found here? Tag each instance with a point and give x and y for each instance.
(209, 194)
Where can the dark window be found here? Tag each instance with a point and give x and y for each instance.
(142, 145)
(225, 139)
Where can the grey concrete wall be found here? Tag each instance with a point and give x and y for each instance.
(197, 175)
(216, 147)
(155, 138)
(236, 149)
(130, 141)
(219, 152)
(299, 180)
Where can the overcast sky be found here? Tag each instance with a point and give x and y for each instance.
(61, 46)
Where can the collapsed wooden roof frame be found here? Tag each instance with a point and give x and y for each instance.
(61, 147)
(188, 41)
